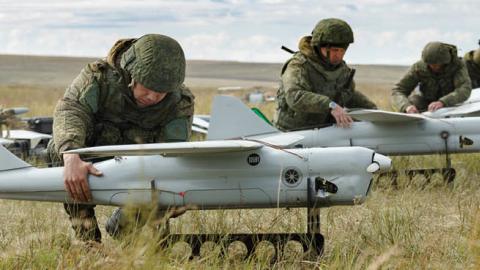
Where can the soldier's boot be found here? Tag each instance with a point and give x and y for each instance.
(116, 223)
(126, 221)
(123, 222)
(84, 222)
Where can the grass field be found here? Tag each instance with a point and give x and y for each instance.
(415, 225)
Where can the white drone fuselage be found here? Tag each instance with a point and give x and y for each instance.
(388, 133)
(256, 176)
(429, 136)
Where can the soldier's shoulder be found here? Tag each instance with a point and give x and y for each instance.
(185, 105)
(419, 68)
(297, 61)
(456, 66)
(101, 71)
(187, 99)
(88, 86)
(87, 76)
(297, 58)
(97, 66)
(186, 93)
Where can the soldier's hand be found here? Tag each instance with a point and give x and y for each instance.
(75, 176)
(341, 117)
(411, 109)
(435, 106)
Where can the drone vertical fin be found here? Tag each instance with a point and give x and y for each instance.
(230, 118)
(9, 161)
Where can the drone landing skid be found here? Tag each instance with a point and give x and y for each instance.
(447, 173)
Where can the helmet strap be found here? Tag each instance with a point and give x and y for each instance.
(325, 60)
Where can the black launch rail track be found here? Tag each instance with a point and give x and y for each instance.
(312, 242)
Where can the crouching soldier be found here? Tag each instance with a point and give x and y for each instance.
(135, 95)
(472, 61)
(442, 79)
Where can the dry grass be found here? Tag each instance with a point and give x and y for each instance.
(416, 225)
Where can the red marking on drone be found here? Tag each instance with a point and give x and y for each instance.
(182, 194)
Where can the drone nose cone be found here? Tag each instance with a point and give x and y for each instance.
(379, 163)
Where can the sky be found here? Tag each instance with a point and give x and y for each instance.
(386, 31)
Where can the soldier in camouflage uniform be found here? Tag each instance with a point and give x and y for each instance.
(136, 95)
(472, 61)
(442, 79)
(6, 119)
(316, 83)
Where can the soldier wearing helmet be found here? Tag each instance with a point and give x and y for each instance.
(472, 61)
(316, 83)
(442, 79)
(135, 95)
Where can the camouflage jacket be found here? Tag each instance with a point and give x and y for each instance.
(98, 108)
(307, 88)
(451, 87)
(473, 69)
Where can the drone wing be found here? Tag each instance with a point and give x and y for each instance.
(385, 117)
(169, 149)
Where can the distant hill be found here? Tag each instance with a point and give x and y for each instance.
(47, 71)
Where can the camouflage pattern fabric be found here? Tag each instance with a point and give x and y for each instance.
(332, 32)
(98, 108)
(307, 87)
(156, 61)
(451, 86)
(438, 53)
(6, 118)
(84, 222)
(473, 67)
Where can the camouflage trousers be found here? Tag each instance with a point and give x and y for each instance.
(84, 222)
(122, 221)
(83, 219)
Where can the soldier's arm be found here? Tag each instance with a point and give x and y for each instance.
(74, 113)
(299, 94)
(180, 128)
(402, 90)
(73, 122)
(463, 87)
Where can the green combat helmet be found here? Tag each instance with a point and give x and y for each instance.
(332, 32)
(155, 61)
(437, 53)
